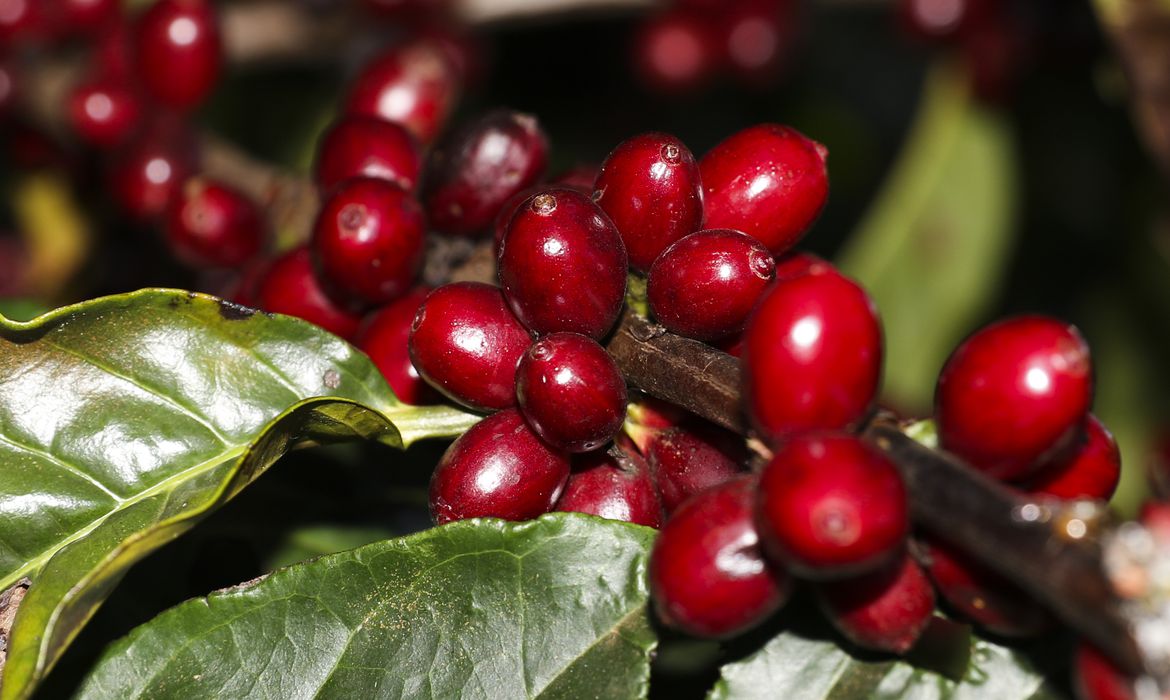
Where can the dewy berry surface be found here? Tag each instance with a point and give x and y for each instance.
(571, 392)
(562, 265)
(886, 610)
(599, 485)
(769, 181)
(466, 343)
(649, 186)
(179, 51)
(385, 337)
(367, 147)
(1013, 394)
(830, 506)
(497, 469)
(212, 225)
(705, 285)
(290, 286)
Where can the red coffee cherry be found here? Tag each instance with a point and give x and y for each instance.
(473, 173)
(571, 392)
(179, 53)
(1095, 677)
(795, 263)
(414, 85)
(104, 112)
(649, 186)
(504, 217)
(87, 16)
(385, 337)
(498, 469)
(707, 574)
(578, 177)
(706, 285)
(886, 610)
(466, 343)
(369, 241)
(290, 287)
(769, 181)
(368, 147)
(755, 37)
(1091, 469)
(831, 506)
(562, 265)
(148, 174)
(689, 460)
(812, 355)
(212, 225)
(675, 52)
(1013, 394)
(599, 485)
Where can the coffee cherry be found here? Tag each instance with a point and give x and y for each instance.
(104, 112)
(1091, 469)
(1095, 677)
(290, 287)
(831, 506)
(148, 174)
(706, 285)
(755, 37)
(498, 469)
(179, 54)
(466, 343)
(87, 16)
(707, 574)
(688, 460)
(385, 337)
(474, 173)
(369, 241)
(112, 53)
(812, 355)
(212, 225)
(675, 52)
(571, 392)
(769, 181)
(598, 485)
(367, 147)
(886, 610)
(562, 265)
(649, 187)
(795, 263)
(1013, 394)
(578, 177)
(23, 21)
(414, 85)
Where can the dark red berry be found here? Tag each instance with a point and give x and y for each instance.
(179, 52)
(498, 469)
(504, 217)
(769, 181)
(707, 284)
(812, 354)
(796, 263)
(368, 147)
(1091, 469)
(466, 343)
(562, 265)
(243, 287)
(755, 37)
(571, 392)
(480, 167)
(290, 287)
(414, 85)
(385, 337)
(112, 53)
(831, 506)
(688, 460)
(23, 21)
(87, 16)
(1095, 677)
(886, 610)
(212, 225)
(104, 112)
(676, 52)
(578, 177)
(708, 576)
(599, 485)
(149, 173)
(369, 240)
(1013, 394)
(649, 186)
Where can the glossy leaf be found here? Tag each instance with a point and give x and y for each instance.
(550, 608)
(125, 420)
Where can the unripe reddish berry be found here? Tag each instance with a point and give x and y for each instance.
(689, 460)
(212, 225)
(1014, 394)
(290, 287)
(886, 610)
(1091, 469)
(385, 337)
(708, 576)
(676, 52)
(367, 147)
(179, 52)
(599, 485)
(497, 469)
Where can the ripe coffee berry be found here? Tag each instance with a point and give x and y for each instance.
(708, 576)
(886, 610)
(87, 16)
(598, 485)
(385, 337)
(831, 506)
(104, 112)
(571, 392)
(562, 265)
(368, 240)
(706, 285)
(368, 147)
(179, 54)
(649, 186)
(675, 52)
(480, 167)
(755, 37)
(1091, 469)
(578, 177)
(212, 225)
(414, 85)
(1013, 394)
(148, 174)
(812, 354)
(466, 343)
(688, 460)
(290, 287)
(769, 181)
(498, 469)
(1095, 677)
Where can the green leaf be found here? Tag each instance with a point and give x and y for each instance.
(798, 668)
(550, 608)
(933, 247)
(125, 420)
